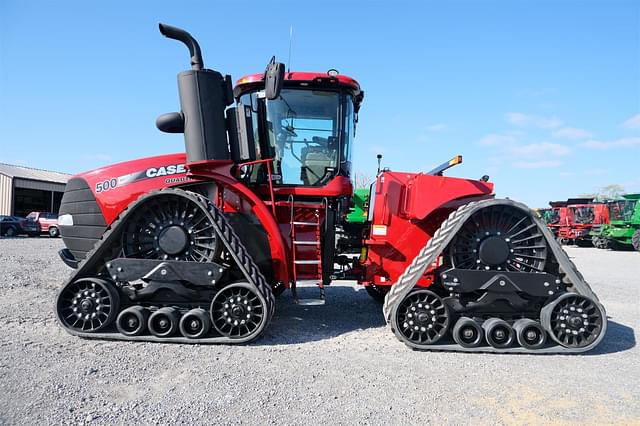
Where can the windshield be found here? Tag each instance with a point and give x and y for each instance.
(552, 216)
(582, 214)
(303, 129)
(621, 210)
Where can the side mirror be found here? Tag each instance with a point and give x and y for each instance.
(172, 122)
(273, 79)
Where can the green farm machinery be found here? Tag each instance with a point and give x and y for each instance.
(623, 231)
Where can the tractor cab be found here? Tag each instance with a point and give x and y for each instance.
(305, 132)
(621, 210)
(552, 216)
(582, 214)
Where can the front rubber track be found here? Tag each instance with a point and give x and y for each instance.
(436, 246)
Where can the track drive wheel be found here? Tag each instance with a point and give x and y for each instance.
(574, 321)
(421, 319)
(87, 305)
(239, 312)
(173, 225)
(500, 238)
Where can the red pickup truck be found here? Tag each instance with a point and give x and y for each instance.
(48, 222)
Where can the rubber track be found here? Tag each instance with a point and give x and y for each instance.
(436, 245)
(104, 251)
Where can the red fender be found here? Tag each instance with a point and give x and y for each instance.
(220, 172)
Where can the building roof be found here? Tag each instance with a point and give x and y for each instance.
(23, 172)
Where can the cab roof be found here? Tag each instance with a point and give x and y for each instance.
(302, 78)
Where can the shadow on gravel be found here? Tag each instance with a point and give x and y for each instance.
(346, 310)
(619, 338)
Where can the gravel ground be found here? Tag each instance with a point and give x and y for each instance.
(330, 364)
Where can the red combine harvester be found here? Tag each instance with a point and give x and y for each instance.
(558, 217)
(194, 247)
(581, 215)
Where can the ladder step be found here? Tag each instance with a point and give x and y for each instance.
(311, 302)
(298, 204)
(307, 243)
(305, 223)
(307, 262)
(306, 282)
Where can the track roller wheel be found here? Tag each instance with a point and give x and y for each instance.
(163, 322)
(133, 321)
(195, 324)
(422, 318)
(498, 332)
(87, 305)
(530, 333)
(468, 333)
(574, 321)
(239, 312)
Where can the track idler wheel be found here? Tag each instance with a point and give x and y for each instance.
(239, 312)
(163, 322)
(195, 324)
(133, 321)
(498, 333)
(468, 333)
(87, 305)
(574, 321)
(422, 318)
(530, 333)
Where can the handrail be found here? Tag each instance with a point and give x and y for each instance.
(325, 202)
(291, 201)
(268, 162)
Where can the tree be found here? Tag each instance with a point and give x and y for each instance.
(362, 180)
(610, 192)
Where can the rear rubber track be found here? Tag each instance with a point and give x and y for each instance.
(108, 248)
(436, 245)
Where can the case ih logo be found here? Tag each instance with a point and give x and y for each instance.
(152, 172)
(165, 170)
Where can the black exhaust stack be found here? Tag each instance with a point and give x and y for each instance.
(204, 96)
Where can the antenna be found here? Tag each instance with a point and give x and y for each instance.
(290, 39)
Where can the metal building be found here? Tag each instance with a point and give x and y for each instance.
(25, 189)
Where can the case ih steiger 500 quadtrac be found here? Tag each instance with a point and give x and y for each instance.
(194, 248)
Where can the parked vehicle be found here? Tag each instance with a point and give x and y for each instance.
(194, 247)
(624, 230)
(48, 222)
(583, 216)
(557, 217)
(12, 226)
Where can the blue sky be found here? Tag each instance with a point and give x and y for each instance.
(542, 96)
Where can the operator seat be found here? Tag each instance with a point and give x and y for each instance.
(316, 159)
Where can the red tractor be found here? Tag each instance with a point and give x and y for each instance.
(581, 216)
(195, 247)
